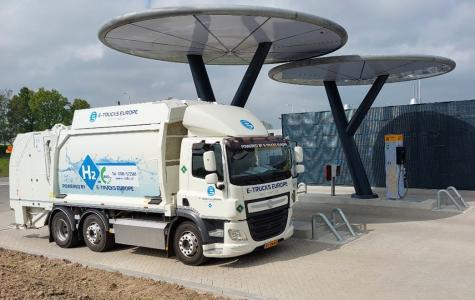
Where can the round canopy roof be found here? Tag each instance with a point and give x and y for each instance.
(361, 70)
(223, 35)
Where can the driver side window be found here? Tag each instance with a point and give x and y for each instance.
(197, 166)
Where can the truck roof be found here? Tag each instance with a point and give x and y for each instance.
(156, 112)
(222, 120)
(199, 117)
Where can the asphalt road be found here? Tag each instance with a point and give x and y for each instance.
(4, 199)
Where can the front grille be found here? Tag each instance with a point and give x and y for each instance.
(269, 223)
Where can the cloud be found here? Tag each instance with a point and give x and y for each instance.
(89, 52)
(53, 44)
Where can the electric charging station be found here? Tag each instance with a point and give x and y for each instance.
(395, 155)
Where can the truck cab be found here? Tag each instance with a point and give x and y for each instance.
(233, 173)
(244, 185)
(197, 179)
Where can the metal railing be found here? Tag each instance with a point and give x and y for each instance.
(457, 200)
(332, 224)
(333, 217)
(328, 223)
(300, 186)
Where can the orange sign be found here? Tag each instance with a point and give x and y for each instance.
(393, 137)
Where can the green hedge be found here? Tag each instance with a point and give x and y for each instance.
(4, 166)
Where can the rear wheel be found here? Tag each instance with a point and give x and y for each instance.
(188, 244)
(62, 231)
(95, 234)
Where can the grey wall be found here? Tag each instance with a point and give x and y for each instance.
(439, 140)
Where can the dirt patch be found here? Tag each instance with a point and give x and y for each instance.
(25, 276)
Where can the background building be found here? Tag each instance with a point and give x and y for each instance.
(439, 140)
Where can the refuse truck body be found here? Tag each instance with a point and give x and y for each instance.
(193, 178)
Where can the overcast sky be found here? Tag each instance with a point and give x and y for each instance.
(54, 44)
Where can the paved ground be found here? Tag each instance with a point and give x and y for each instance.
(403, 254)
(4, 206)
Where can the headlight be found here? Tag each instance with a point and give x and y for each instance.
(237, 235)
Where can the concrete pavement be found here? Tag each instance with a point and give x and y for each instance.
(401, 255)
(4, 204)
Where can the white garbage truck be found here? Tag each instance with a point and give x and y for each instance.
(193, 178)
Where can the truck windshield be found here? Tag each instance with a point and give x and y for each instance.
(258, 160)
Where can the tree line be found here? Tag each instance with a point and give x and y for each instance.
(31, 110)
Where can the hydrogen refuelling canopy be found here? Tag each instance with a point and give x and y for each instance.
(358, 70)
(223, 35)
(361, 70)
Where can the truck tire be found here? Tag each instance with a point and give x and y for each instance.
(62, 231)
(95, 234)
(188, 244)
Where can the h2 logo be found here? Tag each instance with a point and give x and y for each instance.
(89, 172)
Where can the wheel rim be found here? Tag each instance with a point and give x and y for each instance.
(62, 230)
(188, 243)
(93, 233)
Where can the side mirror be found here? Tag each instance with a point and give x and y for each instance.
(299, 169)
(298, 154)
(211, 178)
(209, 161)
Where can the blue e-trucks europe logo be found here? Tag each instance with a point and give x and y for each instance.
(211, 191)
(93, 116)
(247, 124)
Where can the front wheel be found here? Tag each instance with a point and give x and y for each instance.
(188, 244)
(95, 234)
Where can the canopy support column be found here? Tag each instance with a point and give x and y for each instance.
(200, 78)
(250, 77)
(355, 165)
(365, 105)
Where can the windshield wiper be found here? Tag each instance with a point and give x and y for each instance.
(240, 155)
(260, 178)
(275, 174)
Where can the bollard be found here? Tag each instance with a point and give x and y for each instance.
(330, 173)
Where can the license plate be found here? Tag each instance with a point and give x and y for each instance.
(271, 244)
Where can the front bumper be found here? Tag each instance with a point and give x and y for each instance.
(232, 248)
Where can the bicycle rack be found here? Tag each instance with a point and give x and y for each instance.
(458, 201)
(333, 217)
(332, 225)
(459, 197)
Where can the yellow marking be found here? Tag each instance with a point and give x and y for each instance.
(393, 137)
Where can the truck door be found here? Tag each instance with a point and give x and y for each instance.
(206, 198)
